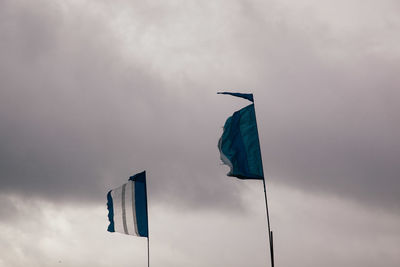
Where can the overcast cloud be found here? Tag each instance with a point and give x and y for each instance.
(93, 91)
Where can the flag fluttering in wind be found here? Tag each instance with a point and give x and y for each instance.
(239, 145)
(127, 207)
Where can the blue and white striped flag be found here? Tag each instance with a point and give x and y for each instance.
(127, 207)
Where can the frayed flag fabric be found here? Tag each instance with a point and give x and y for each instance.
(239, 144)
(127, 207)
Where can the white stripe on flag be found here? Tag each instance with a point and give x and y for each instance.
(130, 209)
(134, 208)
(116, 196)
(124, 209)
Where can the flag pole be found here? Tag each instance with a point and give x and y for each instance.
(148, 232)
(270, 236)
(148, 251)
(148, 228)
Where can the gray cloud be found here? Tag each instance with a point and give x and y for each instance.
(81, 116)
(327, 107)
(80, 108)
(309, 229)
(92, 92)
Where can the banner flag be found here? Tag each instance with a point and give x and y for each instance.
(239, 144)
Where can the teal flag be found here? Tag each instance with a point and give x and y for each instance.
(239, 145)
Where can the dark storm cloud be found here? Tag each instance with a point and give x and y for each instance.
(80, 112)
(77, 118)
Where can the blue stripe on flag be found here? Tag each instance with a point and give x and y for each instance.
(141, 203)
(110, 208)
(141, 176)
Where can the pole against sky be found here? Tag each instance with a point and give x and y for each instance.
(92, 92)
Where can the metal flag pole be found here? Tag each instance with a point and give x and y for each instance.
(148, 228)
(148, 252)
(270, 236)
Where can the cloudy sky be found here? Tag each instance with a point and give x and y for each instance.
(92, 92)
